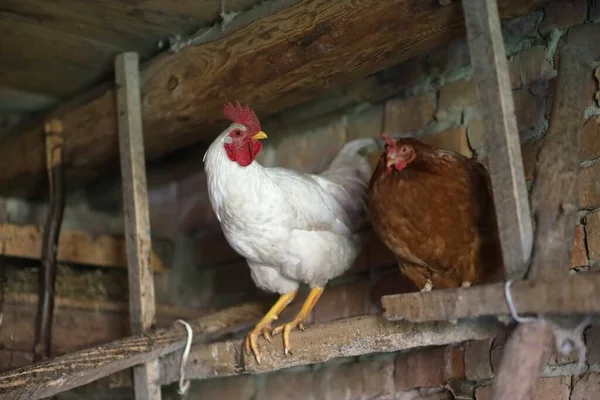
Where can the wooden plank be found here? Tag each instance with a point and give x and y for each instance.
(502, 143)
(323, 342)
(343, 41)
(555, 204)
(75, 369)
(74, 246)
(77, 323)
(573, 295)
(137, 217)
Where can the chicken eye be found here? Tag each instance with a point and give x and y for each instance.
(238, 133)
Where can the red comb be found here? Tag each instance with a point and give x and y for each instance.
(242, 115)
(388, 139)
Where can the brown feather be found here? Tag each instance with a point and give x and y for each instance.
(437, 215)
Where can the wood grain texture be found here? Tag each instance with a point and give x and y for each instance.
(74, 246)
(320, 343)
(572, 295)
(291, 56)
(503, 148)
(554, 204)
(137, 217)
(78, 368)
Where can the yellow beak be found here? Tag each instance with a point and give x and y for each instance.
(259, 135)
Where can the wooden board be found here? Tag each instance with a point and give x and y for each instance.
(74, 246)
(142, 304)
(502, 142)
(291, 56)
(62, 373)
(320, 343)
(575, 295)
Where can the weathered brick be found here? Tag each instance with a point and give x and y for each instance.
(447, 58)
(455, 97)
(452, 139)
(373, 379)
(344, 301)
(590, 139)
(548, 389)
(579, 253)
(586, 388)
(592, 230)
(429, 367)
(286, 385)
(310, 151)
(213, 249)
(589, 186)
(367, 123)
(529, 66)
(528, 109)
(237, 387)
(591, 93)
(406, 115)
(592, 342)
(195, 211)
(563, 14)
(478, 365)
(529, 151)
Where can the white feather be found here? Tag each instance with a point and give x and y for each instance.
(292, 228)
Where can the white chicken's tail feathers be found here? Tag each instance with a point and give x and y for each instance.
(353, 157)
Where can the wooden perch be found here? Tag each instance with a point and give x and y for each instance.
(78, 368)
(142, 305)
(75, 246)
(320, 343)
(56, 177)
(576, 294)
(555, 205)
(289, 57)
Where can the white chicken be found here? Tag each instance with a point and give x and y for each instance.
(291, 227)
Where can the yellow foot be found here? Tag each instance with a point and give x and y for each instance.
(428, 286)
(298, 322)
(264, 326)
(287, 328)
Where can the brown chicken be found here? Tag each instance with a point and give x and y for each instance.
(434, 209)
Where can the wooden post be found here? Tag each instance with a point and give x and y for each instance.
(56, 207)
(555, 204)
(490, 71)
(137, 218)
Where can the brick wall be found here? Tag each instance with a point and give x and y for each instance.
(431, 97)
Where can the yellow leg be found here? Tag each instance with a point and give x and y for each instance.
(264, 325)
(298, 322)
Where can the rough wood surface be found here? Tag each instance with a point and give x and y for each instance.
(75, 246)
(573, 295)
(502, 142)
(78, 368)
(555, 204)
(142, 304)
(291, 56)
(56, 177)
(320, 343)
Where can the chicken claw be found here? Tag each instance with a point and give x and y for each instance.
(264, 325)
(298, 321)
(428, 286)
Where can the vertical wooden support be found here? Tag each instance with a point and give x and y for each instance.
(490, 71)
(137, 219)
(56, 206)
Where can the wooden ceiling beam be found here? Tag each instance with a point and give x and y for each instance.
(290, 55)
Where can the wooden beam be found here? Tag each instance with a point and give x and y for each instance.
(502, 143)
(75, 369)
(142, 304)
(74, 246)
(555, 205)
(573, 295)
(323, 342)
(270, 65)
